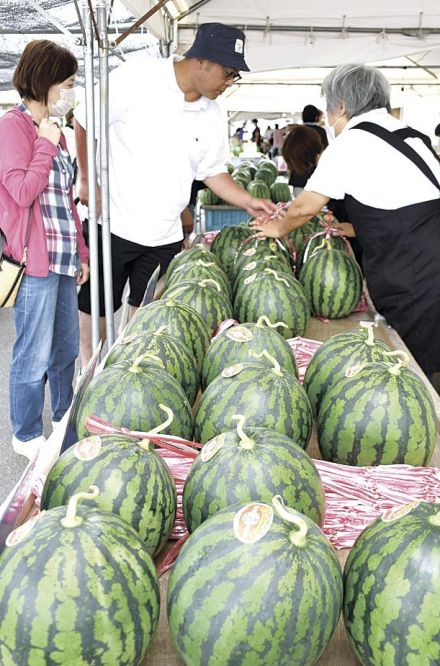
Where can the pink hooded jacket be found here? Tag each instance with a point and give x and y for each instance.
(25, 163)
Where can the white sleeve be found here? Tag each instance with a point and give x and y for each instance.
(329, 177)
(215, 159)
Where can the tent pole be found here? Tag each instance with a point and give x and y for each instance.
(101, 13)
(91, 171)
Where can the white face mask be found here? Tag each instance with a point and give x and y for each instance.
(64, 104)
(330, 129)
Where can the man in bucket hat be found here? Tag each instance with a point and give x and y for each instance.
(165, 131)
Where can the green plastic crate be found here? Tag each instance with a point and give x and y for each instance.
(217, 217)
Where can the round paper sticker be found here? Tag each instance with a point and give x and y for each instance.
(19, 534)
(250, 278)
(399, 511)
(249, 252)
(250, 266)
(212, 447)
(239, 334)
(252, 522)
(354, 370)
(232, 370)
(88, 448)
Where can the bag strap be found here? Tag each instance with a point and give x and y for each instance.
(396, 140)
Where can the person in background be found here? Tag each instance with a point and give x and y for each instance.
(312, 116)
(278, 137)
(389, 177)
(148, 194)
(256, 134)
(36, 175)
(268, 140)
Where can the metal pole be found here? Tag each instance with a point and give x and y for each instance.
(91, 171)
(101, 14)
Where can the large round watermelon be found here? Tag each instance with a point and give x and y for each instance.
(133, 395)
(174, 355)
(279, 296)
(206, 297)
(382, 415)
(253, 249)
(251, 464)
(257, 585)
(332, 281)
(298, 237)
(333, 358)
(260, 187)
(226, 243)
(266, 175)
(189, 256)
(201, 269)
(280, 192)
(314, 244)
(76, 588)
(234, 344)
(208, 198)
(267, 397)
(392, 588)
(135, 483)
(181, 321)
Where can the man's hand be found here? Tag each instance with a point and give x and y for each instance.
(256, 207)
(345, 229)
(83, 274)
(83, 194)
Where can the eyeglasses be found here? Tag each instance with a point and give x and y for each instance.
(231, 76)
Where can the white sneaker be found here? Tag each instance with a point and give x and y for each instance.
(28, 449)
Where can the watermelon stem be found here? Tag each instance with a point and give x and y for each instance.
(245, 441)
(266, 320)
(403, 360)
(370, 333)
(203, 283)
(297, 537)
(145, 443)
(148, 355)
(276, 366)
(270, 271)
(71, 519)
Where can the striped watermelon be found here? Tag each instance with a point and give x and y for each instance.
(254, 249)
(278, 295)
(298, 237)
(243, 172)
(259, 188)
(238, 466)
(135, 483)
(335, 356)
(266, 175)
(316, 243)
(76, 588)
(392, 588)
(268, 164)
(258, 265)
(233, 345)
(189, 256)
(255, 584)
(268, 398)
(250, 166)
(280, 192)
(172, 354)
(332, 281)
(133, 395)
(208, 198)
(181, 321)
(206, 297)
(226, 243)
(200, 269)
(382, 415)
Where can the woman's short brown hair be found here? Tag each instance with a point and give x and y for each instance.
(42, 64)
(301, 149)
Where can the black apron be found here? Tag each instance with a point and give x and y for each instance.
(401, 257)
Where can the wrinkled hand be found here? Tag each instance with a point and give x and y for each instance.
(345, 229)
(268, 228)
(83, 274)
(258, 206)
(49, 130)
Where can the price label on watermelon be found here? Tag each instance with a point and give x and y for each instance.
(19, 534)
(252, 522)
(239, 334)
(250, 266)
(249, 252)
(354, 370)
(232, 370)
(88, 448)
(250, 278)
(212, 447)
(399, 511)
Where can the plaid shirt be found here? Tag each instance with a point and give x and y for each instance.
(57, 215)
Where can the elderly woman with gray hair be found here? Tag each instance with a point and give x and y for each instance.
(389, 177)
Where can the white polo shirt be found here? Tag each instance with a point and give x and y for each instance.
(370, 170)
(158, 144)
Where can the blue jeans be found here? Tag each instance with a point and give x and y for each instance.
(46, 322)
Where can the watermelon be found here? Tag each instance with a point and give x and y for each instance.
(280, 192)
(135, 483)
(332, 281)
(206, 297)
(208, 198)
(225, 245)
(298, 237)
(318, 242)
(250, 166)
(244, 173)
(238, 466)
(259, 189)
(77, 587)
(276, 294)
(253, 248)
(233, 345)
(333, 358)
(255, 584)
(133, 395)
(241, 180)
(392, 588)
(379, 414)
(181, 321)
(230, 167)
(266, 175)
(267, 397)
(169, 352)
(268, 165)
(193, 254)
(201, 269)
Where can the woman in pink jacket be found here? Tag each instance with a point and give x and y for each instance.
(36, 176)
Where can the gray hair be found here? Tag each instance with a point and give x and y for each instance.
(358, 87)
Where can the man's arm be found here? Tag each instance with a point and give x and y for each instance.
(299, 212)
(226, 188)
(81, 156)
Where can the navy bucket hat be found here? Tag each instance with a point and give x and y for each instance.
(219, 43)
